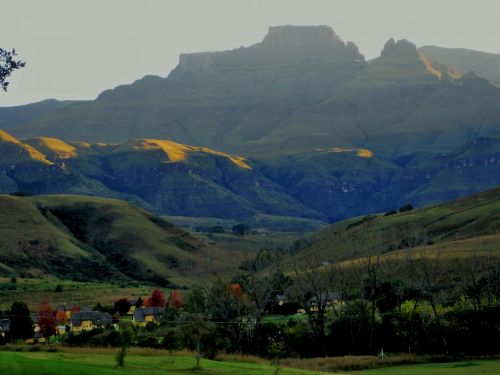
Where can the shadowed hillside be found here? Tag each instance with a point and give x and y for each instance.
(159, 175)
(464, 226)
(286, 106)
(485, 64)
(85, 238)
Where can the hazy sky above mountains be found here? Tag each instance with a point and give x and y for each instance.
(76, 49)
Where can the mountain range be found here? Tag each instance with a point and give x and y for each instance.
(323, 133)
(160, 175)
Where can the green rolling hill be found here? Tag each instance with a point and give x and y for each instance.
(88, 238)
(460, 228)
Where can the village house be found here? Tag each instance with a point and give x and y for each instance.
(4, 327)
(328, 299)
(34, 319)
(133, 306)
(88, 320)
(68, 309)
(144, 315)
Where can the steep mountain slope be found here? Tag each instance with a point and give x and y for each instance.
(261, 101)
(343, 182)
(219, 98)
(401, 102)
(465, 225)
(12, 117)
(284, 103)
(86, 238)
(173, 178)
(485, 64)
(25, 169)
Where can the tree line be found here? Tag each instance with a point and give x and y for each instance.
(416, 301)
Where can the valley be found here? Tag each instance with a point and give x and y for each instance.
(290, 206)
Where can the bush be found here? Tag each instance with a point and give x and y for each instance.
(240, 230)
(148, 342)
(405, 208)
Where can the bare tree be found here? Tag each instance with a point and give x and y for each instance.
(229, 307)
(371, 265)
(429, 271)
(312, 288)
(473, 273)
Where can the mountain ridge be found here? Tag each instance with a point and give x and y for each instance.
(276, 103)
(159, 175)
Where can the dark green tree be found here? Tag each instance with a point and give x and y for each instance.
(197, 337)
(122, 306)
(21, 325)
(8, 64)
(240, 229)
(124, 341)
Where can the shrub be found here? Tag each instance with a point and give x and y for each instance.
(405, 208)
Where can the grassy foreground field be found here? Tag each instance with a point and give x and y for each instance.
(38, 363)
(149, 361)
(454, 368)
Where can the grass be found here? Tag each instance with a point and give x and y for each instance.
(103, 363)
(80, 361)
(483, 367)
(397, 364)
(472, 223)
(34, 291)
(284, 318)
(63, 235)
(249, 244)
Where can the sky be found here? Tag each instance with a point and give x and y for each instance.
(77, 49)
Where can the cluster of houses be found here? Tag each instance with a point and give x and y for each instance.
(76, 319)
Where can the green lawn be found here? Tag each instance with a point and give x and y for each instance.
(455, 368)
(38, 363)
(102, 362)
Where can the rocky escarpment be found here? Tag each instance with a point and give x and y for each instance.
(282, 46)
(485, 64)
(165, 176)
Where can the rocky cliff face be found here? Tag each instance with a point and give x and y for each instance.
(485, 64)
(282, 46)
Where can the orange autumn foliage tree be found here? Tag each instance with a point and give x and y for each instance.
(61, 317)
(176, 299)
(157, 299)
(236, 290)
(46, 319)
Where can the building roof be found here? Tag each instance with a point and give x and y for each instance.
(4, 325)
(34, 317)
(325, 297)
(66, 307)
(97, 318)
(141, 312)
